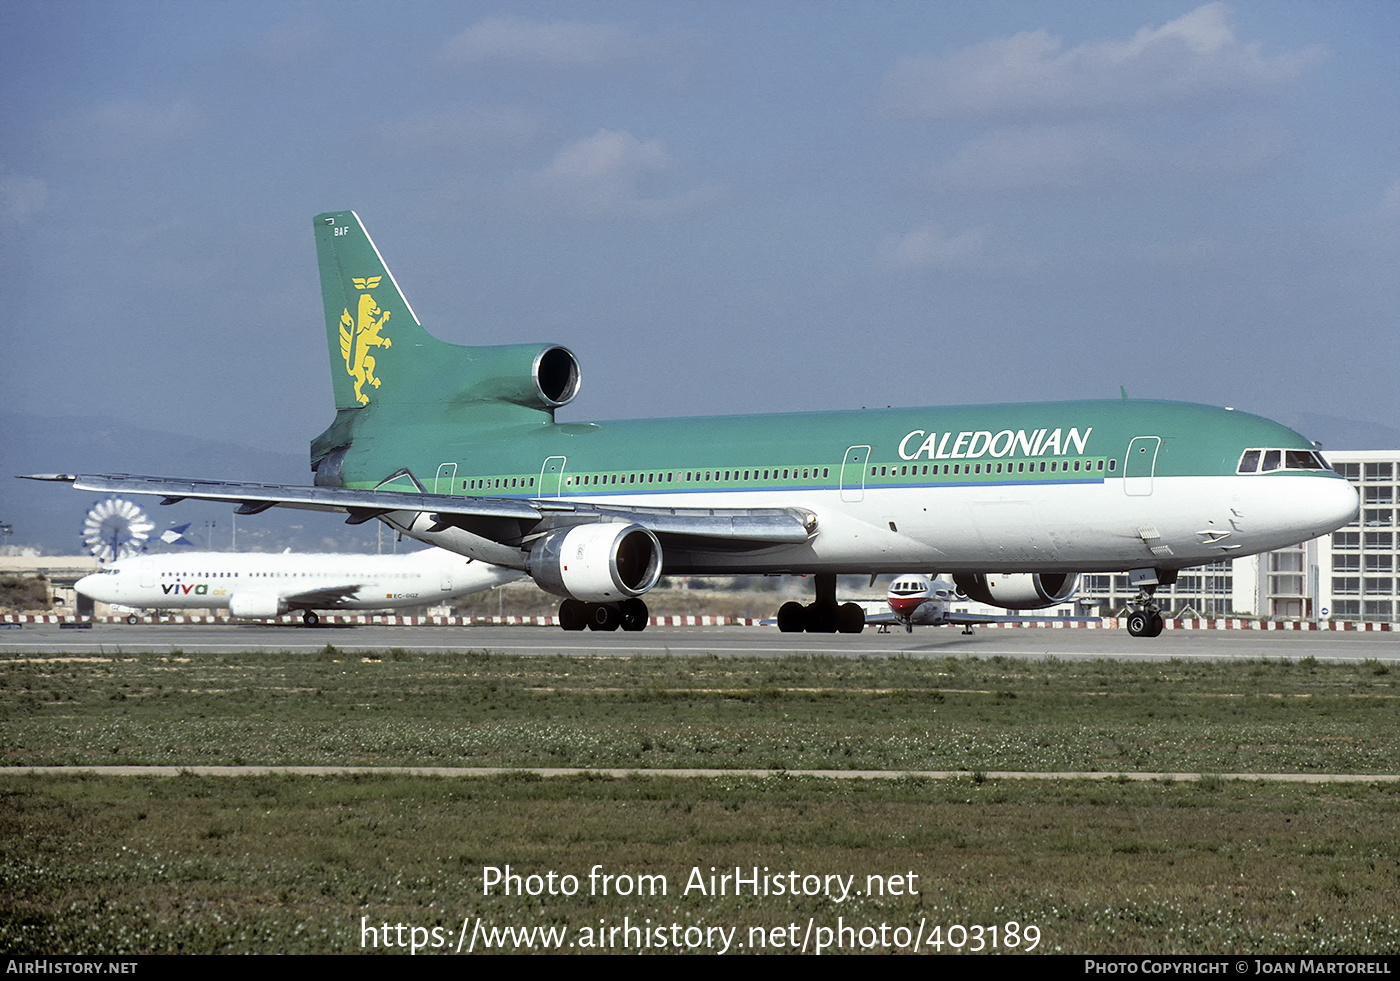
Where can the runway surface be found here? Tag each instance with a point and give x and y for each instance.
(109, 640)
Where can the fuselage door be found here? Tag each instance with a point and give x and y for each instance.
(853, 473)
(1140, 465)
(552, 476)
(446, 477)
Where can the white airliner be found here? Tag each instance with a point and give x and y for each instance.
(458, 446)
(918, 601)
(257, 585)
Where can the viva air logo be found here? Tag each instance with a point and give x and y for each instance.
(360, 333)
(185, 589)
(969, 445)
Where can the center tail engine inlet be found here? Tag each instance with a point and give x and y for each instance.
(1019, 591)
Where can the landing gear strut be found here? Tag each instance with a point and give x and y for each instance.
(629, 615)
(825, 616)
(1145, 620)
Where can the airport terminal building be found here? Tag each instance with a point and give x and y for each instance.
(1350, 574)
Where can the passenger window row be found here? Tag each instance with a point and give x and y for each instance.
(656, 477)
(976, 469)
(767, 474)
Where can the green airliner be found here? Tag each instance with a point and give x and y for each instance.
(458, 446)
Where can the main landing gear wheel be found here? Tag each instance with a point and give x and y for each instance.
(851, 618)
(573, 615)
(629, 615)
(603, 616)
(634, 615)
(792, 618)
(825, 616)
(310, 618)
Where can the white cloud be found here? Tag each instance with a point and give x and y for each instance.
(1237, 146)
(931, 247)
(1193, 58)
(1373, 230)
(127, 127)
(1080, 155)
(300, 41)
(21, 197)
(1390, 202)
(606, 174)
(145, 123)
(558, 44)
(1040, 158)
(462, 129)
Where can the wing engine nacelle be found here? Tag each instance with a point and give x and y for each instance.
(255, 606)
(1020, 590)
(596, 563)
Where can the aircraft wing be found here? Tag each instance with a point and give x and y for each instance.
(327, 598)
(882, 619)
(756, 527)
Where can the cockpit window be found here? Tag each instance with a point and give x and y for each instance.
(1267, 461)
(1302, 460)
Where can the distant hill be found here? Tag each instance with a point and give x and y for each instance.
(50, 516)
(1347, 434)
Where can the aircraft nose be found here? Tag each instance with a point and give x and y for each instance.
(95, 587)
(1331, 503)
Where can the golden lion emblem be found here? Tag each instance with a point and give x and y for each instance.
(359, 334)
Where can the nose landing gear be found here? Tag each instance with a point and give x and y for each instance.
(1145, 620)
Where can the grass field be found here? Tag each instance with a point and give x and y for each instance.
(104, 864)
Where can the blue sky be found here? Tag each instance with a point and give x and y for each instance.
(719, 206)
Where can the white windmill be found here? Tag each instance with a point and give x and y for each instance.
(116, 529)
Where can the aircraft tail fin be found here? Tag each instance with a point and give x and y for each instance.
(367, 314)
(391, 376)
